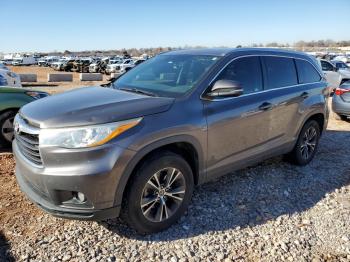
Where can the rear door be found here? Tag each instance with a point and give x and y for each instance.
(332, 77)
(285, 96)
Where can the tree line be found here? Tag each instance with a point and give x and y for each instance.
(156, 50)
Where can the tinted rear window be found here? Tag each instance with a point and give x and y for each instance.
(306, 72)
(280, 72)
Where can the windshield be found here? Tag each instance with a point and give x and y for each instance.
(167, 75)
(341, 66)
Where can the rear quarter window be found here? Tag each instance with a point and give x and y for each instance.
(280, 72)
(306, 72)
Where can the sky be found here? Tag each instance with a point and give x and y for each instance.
(77, 25)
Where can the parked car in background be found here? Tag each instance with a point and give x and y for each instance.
(47, 61)
(115, 68)
(341, 101)
(81, 65)
(341, 65)
(175, 121)
(334, 76)
(42, 61)
(61, 65)
(11, 100)
(6, 61)
(99, 66)
(115, 60)
(25, 60)
(67, 67)
(9, 78)
(342, 58)
(126, 67)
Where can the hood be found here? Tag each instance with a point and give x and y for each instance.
(91, 106)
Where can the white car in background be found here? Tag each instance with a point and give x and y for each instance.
(8, 78)
(25, 60)
(342, 58)
(48, 60)
(126, 67)
(334, 76)
(342, 66)
(58, 66)
(116, 68)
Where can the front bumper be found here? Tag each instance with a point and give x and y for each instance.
(93, 172)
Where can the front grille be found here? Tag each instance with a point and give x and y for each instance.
(29, 147)
(27, 141)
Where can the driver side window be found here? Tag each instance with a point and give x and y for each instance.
(246, 71)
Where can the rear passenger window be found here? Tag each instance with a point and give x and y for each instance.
(326, 66)
(306, 72)
(280, 72)
(246, 71)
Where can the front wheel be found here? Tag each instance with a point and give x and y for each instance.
(307, 144)
(6, 128)
(158, 194)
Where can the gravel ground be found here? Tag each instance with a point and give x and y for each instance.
(271, 212)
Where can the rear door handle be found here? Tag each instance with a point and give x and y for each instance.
(265, 106)
(305, 95)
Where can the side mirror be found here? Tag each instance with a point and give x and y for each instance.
(335, 69)
(226, 88)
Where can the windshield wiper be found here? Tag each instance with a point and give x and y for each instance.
(139, 91)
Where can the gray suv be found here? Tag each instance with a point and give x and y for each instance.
(138, 148)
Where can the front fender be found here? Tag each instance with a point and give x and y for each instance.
(140, 154)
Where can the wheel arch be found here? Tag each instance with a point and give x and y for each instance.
(15, 109)
(186, 146)
(318, 116)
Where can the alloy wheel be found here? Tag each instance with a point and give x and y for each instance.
(308, 144)
(163, 194)
(7, 130)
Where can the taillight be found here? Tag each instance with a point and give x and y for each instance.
(340, 91)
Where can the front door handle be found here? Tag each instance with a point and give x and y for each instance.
(305, 95)
(265, 106)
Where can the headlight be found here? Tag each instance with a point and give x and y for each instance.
(88, 136)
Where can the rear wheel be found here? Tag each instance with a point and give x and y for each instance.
(6, 128)
(159, 193)
(307, 144)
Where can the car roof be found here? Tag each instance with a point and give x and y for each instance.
(228, 51)
(337, 61)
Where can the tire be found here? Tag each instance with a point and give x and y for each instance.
(6, 128)
(159, 210)
(303, 152)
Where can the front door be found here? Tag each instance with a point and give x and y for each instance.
(237, 125)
